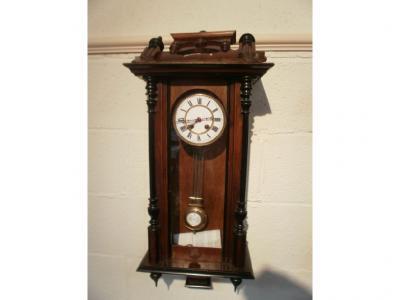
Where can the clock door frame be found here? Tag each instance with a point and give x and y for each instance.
(215, 163)
(233, 245)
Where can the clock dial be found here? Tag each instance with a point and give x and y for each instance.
(199, 119)
(193, 219)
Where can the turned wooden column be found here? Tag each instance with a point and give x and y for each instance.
(241, 212)
(153, 209)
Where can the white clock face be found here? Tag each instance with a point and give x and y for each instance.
(199, 119)
(193, 219)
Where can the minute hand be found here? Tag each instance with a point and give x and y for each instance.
(198, 120)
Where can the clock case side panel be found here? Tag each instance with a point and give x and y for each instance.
(236, 212)
(232, 169)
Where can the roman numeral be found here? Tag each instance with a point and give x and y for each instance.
(189, 135)
(183, 128)
(198, 100)
(181, 120)
(208, 135)
(190, 103)
(215, 110)
(198, 138)
(208, 102)
(215, 128)
(217, 119)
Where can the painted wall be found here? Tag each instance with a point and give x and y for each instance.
(143, 18)
(279, 193)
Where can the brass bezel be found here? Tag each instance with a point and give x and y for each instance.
(203, 215)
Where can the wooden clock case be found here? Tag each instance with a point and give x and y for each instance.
(199, 62)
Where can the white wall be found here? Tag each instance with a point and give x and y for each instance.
(143, 18)
(279, 193)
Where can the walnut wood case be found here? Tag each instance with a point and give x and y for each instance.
(199, 62)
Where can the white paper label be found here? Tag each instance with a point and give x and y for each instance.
(206, 238)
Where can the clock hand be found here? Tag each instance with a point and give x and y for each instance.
(198, 120)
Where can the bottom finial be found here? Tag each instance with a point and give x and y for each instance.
(155, 277)
(236, 282)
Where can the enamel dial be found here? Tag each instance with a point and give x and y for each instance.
(193, 219)
(199, 119)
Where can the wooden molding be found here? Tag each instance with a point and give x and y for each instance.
(270, 43)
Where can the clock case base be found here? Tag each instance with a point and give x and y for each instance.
(182, 267)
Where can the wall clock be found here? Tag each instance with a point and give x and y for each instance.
(198, 97)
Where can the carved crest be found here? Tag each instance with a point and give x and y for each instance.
(202, 42)
(204, 47)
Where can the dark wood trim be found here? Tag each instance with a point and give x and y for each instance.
(241, 212)
(182, 267)
(156, 276)
(232, 168)
(196, 70)
(161, 166)
(235, 281)
(153, 209)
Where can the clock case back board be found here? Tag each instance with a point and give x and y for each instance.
(201, 62)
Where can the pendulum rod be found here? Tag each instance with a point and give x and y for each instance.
(198, 171)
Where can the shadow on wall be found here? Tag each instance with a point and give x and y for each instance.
(268, 285)
(259, 104)
(259, 107)
(274, 286)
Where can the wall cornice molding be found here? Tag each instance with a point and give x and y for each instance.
(135, 45)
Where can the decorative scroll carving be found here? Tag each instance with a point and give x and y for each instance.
(202, 42)
(155, 47)
(203, 47)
